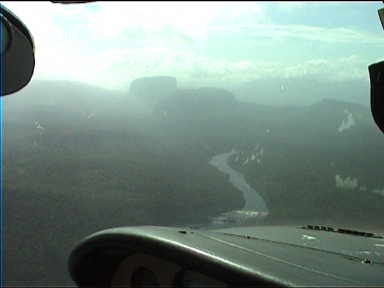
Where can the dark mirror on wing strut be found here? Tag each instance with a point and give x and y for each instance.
(376, 76)
(17, 53)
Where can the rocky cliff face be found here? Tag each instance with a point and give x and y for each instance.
(162, 95)
(191, 101)
(153, 89)
(205, 95)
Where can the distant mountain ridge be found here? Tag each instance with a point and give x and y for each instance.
(108, 159)
(301, 91)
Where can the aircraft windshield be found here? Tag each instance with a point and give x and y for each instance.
(189, 114)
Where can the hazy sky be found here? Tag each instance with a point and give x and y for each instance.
(204, 43)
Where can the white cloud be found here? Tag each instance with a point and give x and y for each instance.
(347, 183)
(190, 18)
(347, 123)
(111, 43)
(339, 69)
(302, 32)
(92, 42)
(379, 191)
(312, 33)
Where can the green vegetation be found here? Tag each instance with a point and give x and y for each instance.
(78, 160)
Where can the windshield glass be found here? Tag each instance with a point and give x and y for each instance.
(189, 114)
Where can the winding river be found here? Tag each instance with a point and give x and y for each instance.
(254, 207)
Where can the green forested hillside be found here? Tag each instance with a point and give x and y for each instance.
(79, 159)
